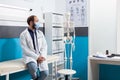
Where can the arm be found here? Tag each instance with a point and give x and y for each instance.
(25, 48)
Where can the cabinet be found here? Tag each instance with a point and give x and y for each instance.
(54, 33)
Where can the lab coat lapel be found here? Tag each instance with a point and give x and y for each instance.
(38, 38)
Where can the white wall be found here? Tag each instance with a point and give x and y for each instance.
(118, 26)
(46, 5)
(36, 5)
(103, 26)
(60, 6)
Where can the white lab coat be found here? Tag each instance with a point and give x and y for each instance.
(28, 48)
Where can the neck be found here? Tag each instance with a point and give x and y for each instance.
(30, 27)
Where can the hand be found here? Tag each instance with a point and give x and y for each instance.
(40, 59)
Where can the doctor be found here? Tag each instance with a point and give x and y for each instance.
(34, 49)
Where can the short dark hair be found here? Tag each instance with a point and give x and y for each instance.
(30, 18)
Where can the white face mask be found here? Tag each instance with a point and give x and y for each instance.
(37, 25)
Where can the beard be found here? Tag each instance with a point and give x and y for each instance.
(33, 26)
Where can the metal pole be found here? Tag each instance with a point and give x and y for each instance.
(55, 70)
(65, 57)
(7, 77)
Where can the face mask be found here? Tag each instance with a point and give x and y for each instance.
(37, 25)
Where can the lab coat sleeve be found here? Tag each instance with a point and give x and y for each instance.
(43, 49)
(25, 48)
